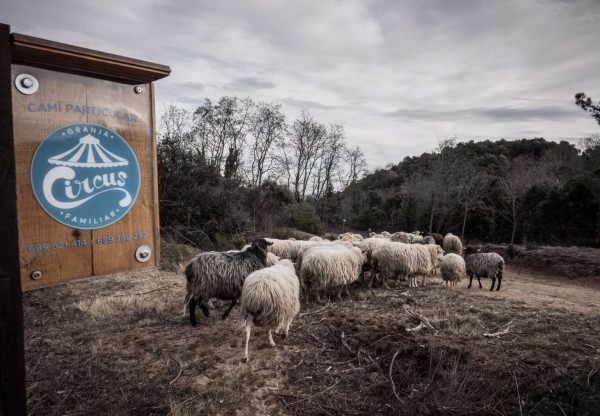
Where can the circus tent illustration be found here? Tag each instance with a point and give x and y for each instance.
(88, 153)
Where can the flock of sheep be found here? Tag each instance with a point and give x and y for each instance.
(269, 274)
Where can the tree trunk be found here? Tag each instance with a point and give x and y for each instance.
(514, 228)
(462, 234)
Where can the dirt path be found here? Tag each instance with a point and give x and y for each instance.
(543, 289)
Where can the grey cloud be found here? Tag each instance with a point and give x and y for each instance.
(251, 83)
(499, 114)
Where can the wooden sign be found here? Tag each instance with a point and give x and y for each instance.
(85, 157)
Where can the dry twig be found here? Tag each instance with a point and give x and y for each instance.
(392, 379)
(180, 369)
(497, 334)
(424, 322)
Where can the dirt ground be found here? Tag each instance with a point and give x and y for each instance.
(119, 345)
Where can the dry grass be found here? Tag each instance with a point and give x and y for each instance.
(119, 345)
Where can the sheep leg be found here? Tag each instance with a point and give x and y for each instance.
(247, 328)
(479, 280)
(226, 314)
(384, 281)
(423, 281)
(287, 329)
(204, 309)
(339, 294)
(499, 280)
(493, 283)
(371, 280)
(271, 342)
(192, 305)
(346, 288)
(470, 281)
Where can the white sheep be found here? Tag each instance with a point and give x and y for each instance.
(452, 244)
(484, 265)
(452, 268)
(221, 275)
(405, 260)
(331, 266)
(271, 299)
(281, 248)
(367, 246)
(350, 237)
(315, 238)
(400, 237)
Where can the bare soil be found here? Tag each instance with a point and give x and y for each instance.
(119, 345)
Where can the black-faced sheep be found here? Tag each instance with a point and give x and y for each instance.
(484, 265)
(270, 298)
(452, 268)
(221, 275)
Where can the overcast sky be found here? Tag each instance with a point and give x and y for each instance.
(400, 75)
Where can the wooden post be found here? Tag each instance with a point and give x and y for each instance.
(12, 357)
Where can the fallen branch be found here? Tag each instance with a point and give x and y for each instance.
(424, 322)
(323, 309)
(180, 369)
(392, 380)
(497, 334)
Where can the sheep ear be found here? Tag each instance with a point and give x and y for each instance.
(269, 243)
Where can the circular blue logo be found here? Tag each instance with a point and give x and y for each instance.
(85, 176)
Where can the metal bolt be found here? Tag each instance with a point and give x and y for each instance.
(137, 89)
(36, 275)
(27, 82)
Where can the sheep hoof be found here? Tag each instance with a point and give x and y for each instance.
(245, 359)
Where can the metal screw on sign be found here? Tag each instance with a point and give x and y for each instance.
(37, 275)
(143, 253)
(137, 89)
(26, 84)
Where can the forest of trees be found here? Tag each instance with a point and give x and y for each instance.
(237, 169)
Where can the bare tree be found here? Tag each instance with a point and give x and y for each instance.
(356, 166)
(438, 177)
(221, 130)
(587, 144)
(302, 150)
(268, 128)
(174, 125)
(471, 187)
(330, 157)
(520, 174)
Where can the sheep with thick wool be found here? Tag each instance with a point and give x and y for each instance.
(333, 266)
(428, 240)
(452, 268)
(405, 260)
(270, 299)
(452, 244)
(221, 275)
(400, 237)
(281, 248)
(484, 265)
(367, 246)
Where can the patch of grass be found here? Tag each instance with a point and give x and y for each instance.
(174, 256)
